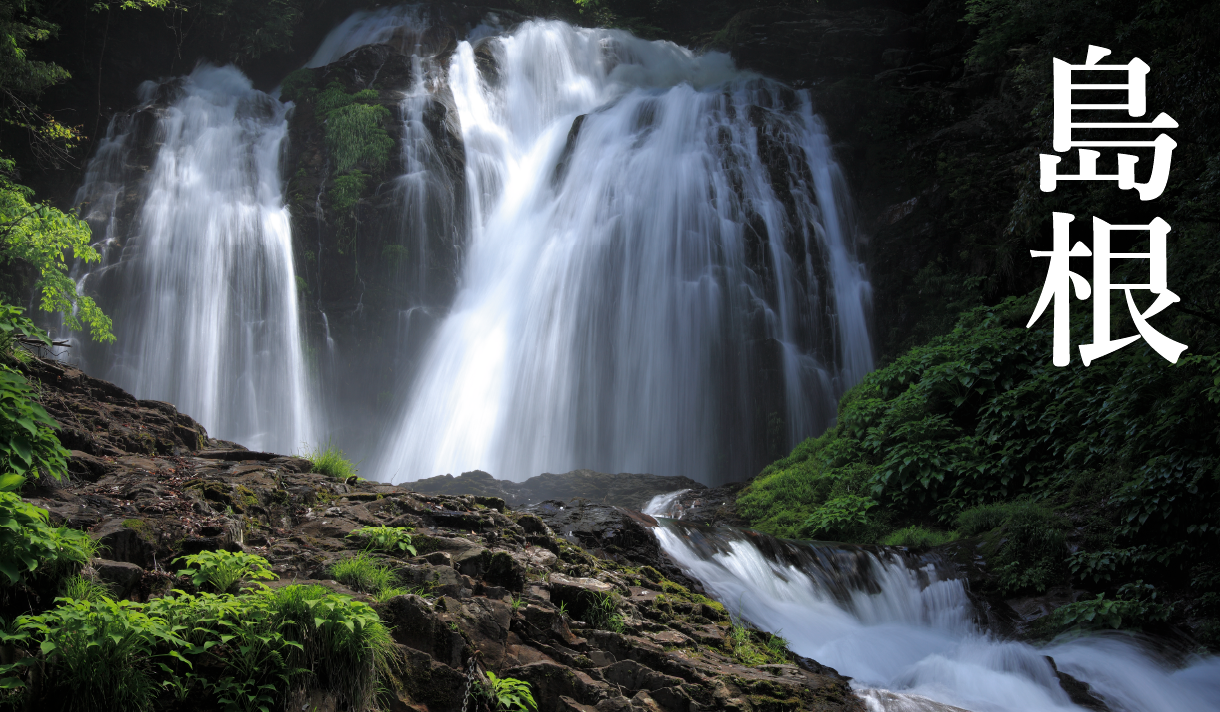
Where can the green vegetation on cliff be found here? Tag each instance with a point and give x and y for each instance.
(1106, 477)
(977, 430)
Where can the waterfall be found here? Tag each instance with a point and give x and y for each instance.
(659, 273)
(198, 274)
(903, 629)
(658, 266)
(366, 27)
(197, 248)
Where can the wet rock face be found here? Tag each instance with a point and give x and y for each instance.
(490, 584)
(909, 117)
(377, 245)
(715, 507)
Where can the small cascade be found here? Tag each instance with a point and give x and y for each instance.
(427, 195)
(197, 269)
(903, 628)
(654, 239)
(365, 27)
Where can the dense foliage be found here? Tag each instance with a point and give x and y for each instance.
(988, 207)
(222, 571)
(41, 237)
(977, 430)
(34, 235)
(28, 446)
(31, 548)
(247, 652)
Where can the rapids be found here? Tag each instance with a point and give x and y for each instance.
(904, 629)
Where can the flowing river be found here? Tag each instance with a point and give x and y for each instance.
(904, 629)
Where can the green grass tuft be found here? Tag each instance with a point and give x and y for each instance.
(390, 539)
(356, 135)
(79, 588)
(752, 647)
(329, 460)
(364, 573)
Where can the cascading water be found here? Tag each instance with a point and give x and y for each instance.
(655, 239)
(199, 277)
(904, 629)
(366, 27)
(198, 270)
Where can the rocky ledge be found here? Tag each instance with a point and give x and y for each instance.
(573, 597)
(622, 490)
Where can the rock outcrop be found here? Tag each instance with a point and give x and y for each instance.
(617, 631)
(715, 507)
(621, 490)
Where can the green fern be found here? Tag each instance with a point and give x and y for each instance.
(509, 693)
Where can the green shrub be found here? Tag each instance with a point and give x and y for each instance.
(30, 547)
(223, 570)
(363, 573)
(330, 98)
(1134, 606)
(840, 518)
(982, 519)
(345, 647)
(248, 652)
(918, 537)
(296, 84)
(508, 693)
(330, 461)
(100, 652)
(392, 539)
(1033, 555)
(28, 446)
(346, 190)
(355, 131)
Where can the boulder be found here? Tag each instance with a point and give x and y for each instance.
(414, 623)
(120, 576)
